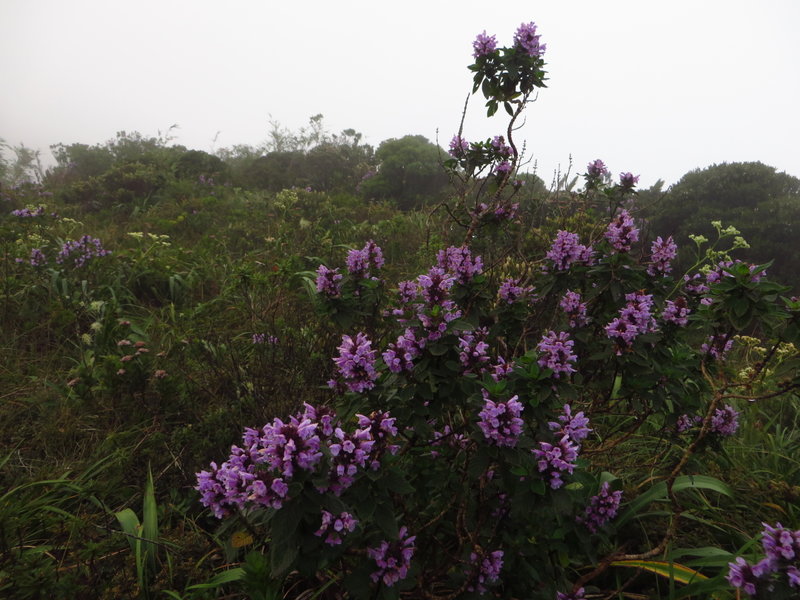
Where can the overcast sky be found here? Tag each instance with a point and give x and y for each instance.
(655, 88)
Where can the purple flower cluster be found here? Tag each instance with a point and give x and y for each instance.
(511, 291)
(458, 147)
(458, 261)
(328, 281)
(400, 355)
(473, 348)
(334, 527)
(725, 421)
(356, 364)
(500, 147)
(628, 180)
(717, 273)
(717, 346)
(486, 569)
(662, 253)
(676, 312)
(263, 338)
(483, 45)
(527, 39)
(81, 251)
(781, 563)
(634, 319)
(29, 212)
(502, 168)
(37, 258)
(258, 472)
(557, 355)
(500, 422)
(501, 368)
(622, 232)
(393, 558)
(438, 309)
(567, 250)
(360, 261)
(575, 309)
(686, 422)
(597, 169)
(602, 508)
(556, 459)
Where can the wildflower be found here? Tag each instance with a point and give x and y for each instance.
(393, 558)
(577, 595)
(676, 311)
(556, 459)
(483, 45)
(740, 575)
(160, 374)
(511, 291)
(622, 232)
(360, 261)
(725, 421)
(717, 346)
(458, 147)
(400, 355)
(557, 353)
(500, 422)
(503, 168)
(473, 348)
(573, 426)
(334, 527)
(458, 261)
(567, 250)
(500, 147)
(634, 319)
(628, 180)
(488, 567)
(356, 363)
(526, 39)
(662, 253)
(575, 309)
(597, 169)
(81, 251)
(602, 508)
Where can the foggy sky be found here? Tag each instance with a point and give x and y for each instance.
(655, 88)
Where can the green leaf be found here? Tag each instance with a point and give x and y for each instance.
(219, 579)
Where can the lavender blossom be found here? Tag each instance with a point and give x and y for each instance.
(328, 281)
(483, 45)
(38, 259)
(81, 251)
(502, 168)
(725, 421)
(28, 212)
(556, 459)
(717, 346)
(500, 147)
(597, 169)
(575, 309)
(334, 527)
(676, 312)
(557, 353)
(458, 147)
(577, 595)
(511, 291)
(567, 250)
(349, 452)
(458, 261)
(360, 261)
(356, 363)
(573, 426)
(400, 356)
(500, 422)
(602, 508)
(526, 39)
(662, 253)
(622, 232)
(486, 568)
(393, 558)
(740, 575)
(473, 348)
(628, 180)
(634, 319)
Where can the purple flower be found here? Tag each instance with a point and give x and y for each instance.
(662, 253)
(393, 558)
(328, 281)
(473, 348)
(500, 147)
(356, 363)
(263, 338)
(483, 45)
(349, 452)
(486, 569)
(717, 346)
(577, 595)
(400, 355)
(725, 421)
(29, 212)
(567, 250)
(458, 147)
(573, 426)
(503, 168)
(602, 508)
(628, 180)
(458, 262)
(81, 251)
(676, 312)
(575, 309)
(500, 422)
(38, 258)
(622, 232)
(510, 291)
(527, 39)
(334, 527)
(634, 319)
(360, 261)
(407, 291)
(596, 169)
(556, 349)
(556, 459)
(740, 575)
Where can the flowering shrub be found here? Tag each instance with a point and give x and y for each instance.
(483, 422)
